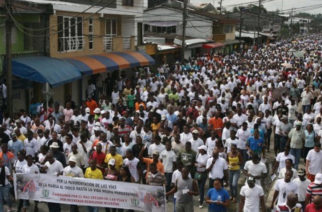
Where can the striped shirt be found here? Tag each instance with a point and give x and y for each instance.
(313, 190)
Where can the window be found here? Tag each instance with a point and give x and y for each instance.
(228, 28)
(110, 27)
(90, 33)
(70, 33)
(127, 3)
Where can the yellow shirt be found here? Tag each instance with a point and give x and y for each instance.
(21, 138)
(96, 174)
(118, 160)
(235, 161)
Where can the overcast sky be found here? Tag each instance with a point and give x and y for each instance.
(272, 5)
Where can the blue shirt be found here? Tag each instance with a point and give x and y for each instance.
(309, 139)
(255, 145)
(220, 195)
(15, 147)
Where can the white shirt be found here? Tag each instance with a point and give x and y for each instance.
(243, 135)
(73, 171)
(211, 144)
(31, 147)
(281, 157)
(252, 197)
(132, 165)
(218, 168)
(33, 169)
(229, 142)
(19, 166)
(301, 188)
(196, 143)
(154, 147)
(255, 169)
(238, 120)
(284, 189)
(315, 159)
(185, 137)
(202, 162)
(168, 158)
(54, 168)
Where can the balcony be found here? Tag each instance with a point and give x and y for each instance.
(70, 44)
(219, 37)
(118, 43)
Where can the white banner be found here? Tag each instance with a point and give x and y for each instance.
(89, 192)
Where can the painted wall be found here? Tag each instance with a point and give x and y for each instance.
(197, 26)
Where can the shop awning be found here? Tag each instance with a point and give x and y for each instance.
(212, 45)
(94, 64)
(45, 70)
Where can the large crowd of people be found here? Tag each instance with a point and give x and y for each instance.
(197, 125)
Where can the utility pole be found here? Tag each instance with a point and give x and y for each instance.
(184, 25)
(240, 22)
(220, 6)
(258, 20)
(8, 57)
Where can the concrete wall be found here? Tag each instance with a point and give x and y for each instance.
(231, 36)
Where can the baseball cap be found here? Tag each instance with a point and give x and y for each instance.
(72, 159)
(318, 178)
(195, 131)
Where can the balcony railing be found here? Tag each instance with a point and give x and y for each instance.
(126, 42)
(108, 43)
(112, 43)
(70, 43)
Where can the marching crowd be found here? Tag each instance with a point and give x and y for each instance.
(205, 121)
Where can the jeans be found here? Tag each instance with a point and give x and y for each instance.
(297, 154)
(233, 182)
(5, 195)
(283, 140)
(243, 152)
(268, 138)
(305, 108)
(53, 207)
(276, 143)
(168, 177)
(92, 209)
(201, 184)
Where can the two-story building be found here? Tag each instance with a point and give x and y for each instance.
(27, 39)
(86, 41)
(163, 25)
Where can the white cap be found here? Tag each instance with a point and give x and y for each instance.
(72, 159)
(195, 131)
(318, 179)
(203, 147)
(103, 111)
(97, 110)
(87, 110)
(54, 145)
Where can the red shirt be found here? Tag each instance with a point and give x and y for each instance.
(92, 105)
(311, 208)
(99, 157)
